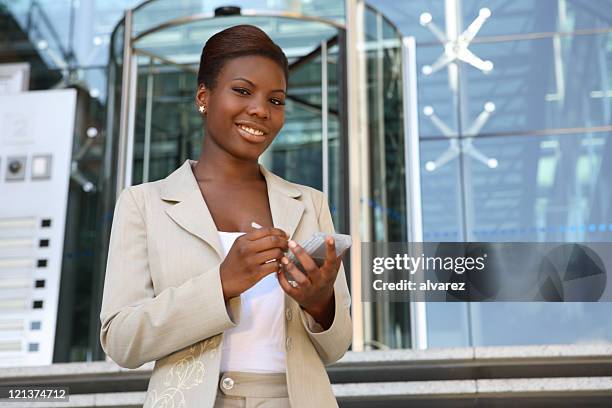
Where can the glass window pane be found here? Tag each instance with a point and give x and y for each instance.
(547, 188)
(512, 17)
(94, 21)
(406, 16)
(510, 324)
(448, 325)
(538, 84)
(437, 94)
(441, 191)
(43, 27)
(537, 16)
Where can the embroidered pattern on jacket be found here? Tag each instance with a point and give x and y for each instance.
(186, 373)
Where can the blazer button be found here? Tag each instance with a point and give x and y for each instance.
(289, 344)
(227, 383)
(288, 314)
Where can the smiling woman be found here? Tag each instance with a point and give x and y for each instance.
(196, 267)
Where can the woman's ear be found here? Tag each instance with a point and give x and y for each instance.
(202, 98)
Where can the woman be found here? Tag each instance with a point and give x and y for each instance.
(195, 278)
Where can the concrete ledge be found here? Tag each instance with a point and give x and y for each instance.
(408, 356)
(480, 388)
(404, 389)
(72, 369)
(592, 392)
(548, 352)
(474, 363)
(546, 386)
(82, 378)
(556, 352)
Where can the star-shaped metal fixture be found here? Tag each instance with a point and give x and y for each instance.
(457, 48)
(458, 146)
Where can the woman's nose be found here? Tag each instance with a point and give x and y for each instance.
(258, 108)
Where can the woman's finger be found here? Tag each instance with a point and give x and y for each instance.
(264, 232)
(286, 286)
(298, 276)
(266, 269)
(331, 266)
(266, 243)
(270, 255)
(302, 256)
(331, 249)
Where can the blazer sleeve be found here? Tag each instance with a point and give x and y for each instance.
(139, 326)
(331, 344)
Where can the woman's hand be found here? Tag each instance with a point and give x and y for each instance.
(252, 256)
(315, 289)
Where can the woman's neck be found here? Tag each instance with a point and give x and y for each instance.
(215, 164)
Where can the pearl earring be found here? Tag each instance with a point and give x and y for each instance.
(202, 108)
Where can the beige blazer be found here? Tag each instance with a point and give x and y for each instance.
(163, 299)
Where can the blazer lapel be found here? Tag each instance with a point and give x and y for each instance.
(192, 214)
(286, 210)
(191, 211)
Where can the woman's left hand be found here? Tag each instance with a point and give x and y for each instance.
(315, 289)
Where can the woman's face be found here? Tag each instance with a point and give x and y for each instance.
(246, 109)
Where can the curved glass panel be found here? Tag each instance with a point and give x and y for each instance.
(156, 12)
(389, 324)
(183, 43)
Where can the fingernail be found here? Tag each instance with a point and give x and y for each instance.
(292, 244)
(255, 225)
(285, 260)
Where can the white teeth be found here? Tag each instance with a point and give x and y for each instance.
(251, 130)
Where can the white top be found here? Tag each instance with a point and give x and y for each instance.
(257, 344)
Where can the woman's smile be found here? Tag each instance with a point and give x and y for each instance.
(251, 133)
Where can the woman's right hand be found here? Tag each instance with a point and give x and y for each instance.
(245, 263)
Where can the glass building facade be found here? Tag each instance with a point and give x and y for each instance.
(534, 133)
(514, 130)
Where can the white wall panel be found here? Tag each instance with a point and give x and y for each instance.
(36, 131)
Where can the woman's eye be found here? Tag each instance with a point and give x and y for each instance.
(277, 101)
(242, 91)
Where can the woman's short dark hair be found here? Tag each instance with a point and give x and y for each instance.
(238, 41)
